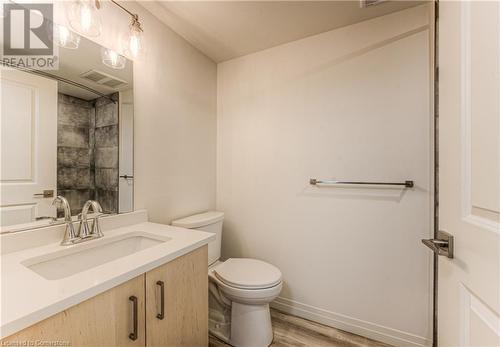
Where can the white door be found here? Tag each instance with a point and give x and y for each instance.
(126, 176)
(28, 146)
(469, 170)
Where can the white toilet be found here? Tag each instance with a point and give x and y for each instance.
(240, 289)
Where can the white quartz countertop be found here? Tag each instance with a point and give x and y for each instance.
(27, 298)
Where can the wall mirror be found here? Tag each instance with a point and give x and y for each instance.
(66, 132)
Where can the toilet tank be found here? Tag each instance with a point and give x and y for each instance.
(210, 222)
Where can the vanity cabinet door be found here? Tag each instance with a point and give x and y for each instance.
(184, 283)
(105, 320)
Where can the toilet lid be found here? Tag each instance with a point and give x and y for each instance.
(248, 273)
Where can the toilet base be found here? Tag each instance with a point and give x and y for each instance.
(250, 325)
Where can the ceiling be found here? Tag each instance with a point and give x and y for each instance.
(225, 30)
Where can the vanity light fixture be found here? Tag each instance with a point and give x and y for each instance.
(83, 17)
(65, 38)
(112, 59)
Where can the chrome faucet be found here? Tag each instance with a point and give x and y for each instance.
(70, 237)
(85, 231)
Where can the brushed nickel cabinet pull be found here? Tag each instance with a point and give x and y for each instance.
(161, 315)
(133, 335)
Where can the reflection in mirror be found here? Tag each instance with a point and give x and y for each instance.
(66, 132)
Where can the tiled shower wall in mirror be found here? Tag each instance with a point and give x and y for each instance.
(87, 151)
(106, 153)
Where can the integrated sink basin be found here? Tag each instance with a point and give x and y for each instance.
(84, 256)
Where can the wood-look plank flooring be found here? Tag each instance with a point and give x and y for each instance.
(291, 331)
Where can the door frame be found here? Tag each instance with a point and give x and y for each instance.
(435, 103)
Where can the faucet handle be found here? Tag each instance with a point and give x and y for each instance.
(96, 228)
(95, 231)
(83, 228)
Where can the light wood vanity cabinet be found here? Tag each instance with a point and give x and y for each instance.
(108, 319)
(184, 284)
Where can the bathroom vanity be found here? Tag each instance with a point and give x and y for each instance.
(148, 286)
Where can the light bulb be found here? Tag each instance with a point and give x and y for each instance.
(113, 56)
(63, 35)
(135, 45)
(83, 17)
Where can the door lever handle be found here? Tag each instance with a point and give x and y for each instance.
(442, 245)
(126, 177)
(48, 193)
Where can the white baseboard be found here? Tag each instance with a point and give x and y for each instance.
(353, 325)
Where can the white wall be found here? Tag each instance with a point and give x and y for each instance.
(352, 104)
(175, 116)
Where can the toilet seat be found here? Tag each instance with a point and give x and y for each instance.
(247, 281)
(247, 274)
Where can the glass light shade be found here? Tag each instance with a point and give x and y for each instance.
(65, 38)
(83, 17)
(131, 42)
(112, 59)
